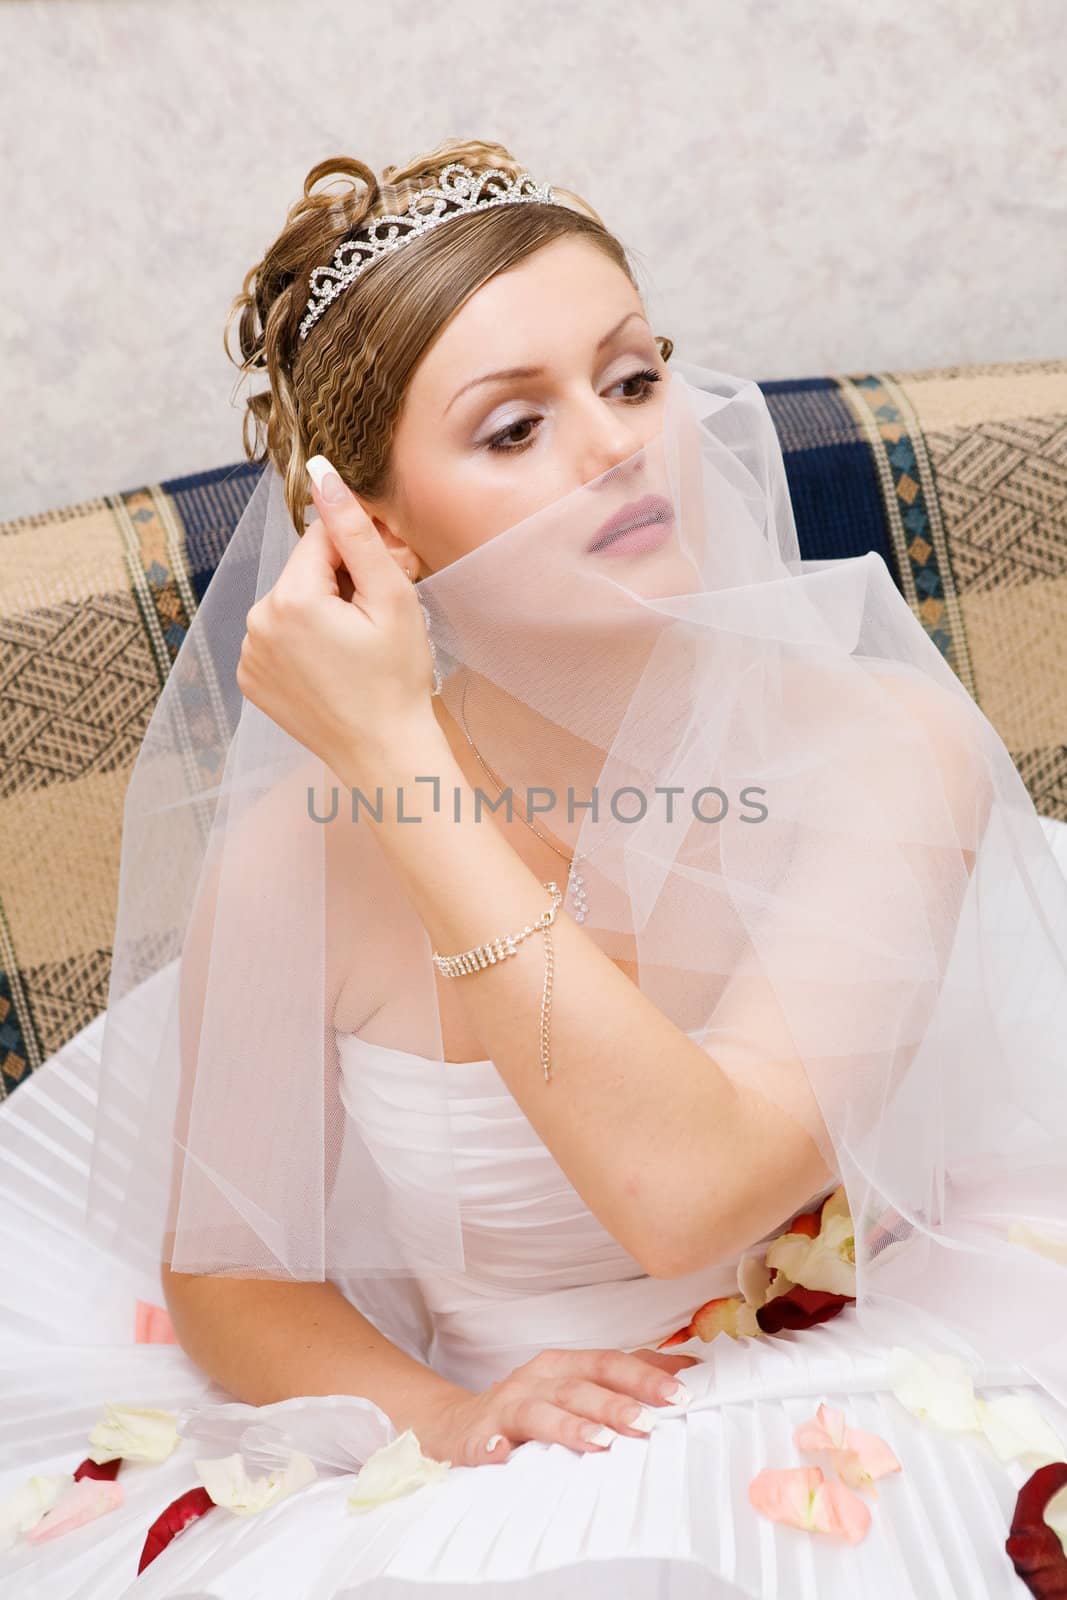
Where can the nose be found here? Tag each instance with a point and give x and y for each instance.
(608, 441)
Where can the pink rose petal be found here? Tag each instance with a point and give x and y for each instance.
(83, 1502)
(825, 1431)
(152, 1325)
(800, 1497)
(858, 1456)
(837, 1510)
(873, 1457)
(785, 1493)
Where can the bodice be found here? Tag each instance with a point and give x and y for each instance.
(541, 1269)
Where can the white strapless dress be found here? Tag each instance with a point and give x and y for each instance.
(665, 1516)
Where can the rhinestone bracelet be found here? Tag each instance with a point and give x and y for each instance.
(487, 955)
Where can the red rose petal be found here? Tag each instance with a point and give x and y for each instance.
(1035, 1549)
(808, 1223)
(187, 1508)
(680, 1337)
(800, 1308)
(98, 1469)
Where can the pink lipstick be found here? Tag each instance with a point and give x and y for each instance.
(641, 525)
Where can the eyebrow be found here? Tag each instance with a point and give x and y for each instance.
(536, 372)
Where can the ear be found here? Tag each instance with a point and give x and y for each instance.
(396, 545)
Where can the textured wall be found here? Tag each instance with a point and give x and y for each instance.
(809, 185)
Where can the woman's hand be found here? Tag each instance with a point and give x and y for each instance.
(559, 1397)
(336, 653)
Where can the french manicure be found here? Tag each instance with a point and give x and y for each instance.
(601, 1435)
(326, 480)
(644, 1420)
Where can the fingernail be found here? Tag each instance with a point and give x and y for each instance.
(599, 1435)
(498, 1438)
(674, 1391)
(326, 480)
(644, 1420)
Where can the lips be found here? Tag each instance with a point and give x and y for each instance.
(651, 508)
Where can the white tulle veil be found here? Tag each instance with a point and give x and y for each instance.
(849, 902)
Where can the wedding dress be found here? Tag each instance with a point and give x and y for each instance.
(667, 1515)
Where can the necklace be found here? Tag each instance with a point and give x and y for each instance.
(575, 879)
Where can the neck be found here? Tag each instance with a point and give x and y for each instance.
(521, 748)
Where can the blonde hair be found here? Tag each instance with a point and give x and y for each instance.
(340, 392)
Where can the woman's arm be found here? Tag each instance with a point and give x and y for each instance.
(266, 1341)
(682, 1164)
(651, 1133)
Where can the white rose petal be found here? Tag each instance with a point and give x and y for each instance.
(817, 1263)
(24, 1509)
(937, 1388)
(1046, 1244)
(1015, 1427)
(396, 1469)
(134, 1434)
(227, 1482)
(753, 1279)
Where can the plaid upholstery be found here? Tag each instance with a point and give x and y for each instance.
(956, 477)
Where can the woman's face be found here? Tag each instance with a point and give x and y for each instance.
(475, 453)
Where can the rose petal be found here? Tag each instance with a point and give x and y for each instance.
(806, 1223)
(227, 1482)
(1015, 1427)
(1046, 1244)
(135, 1433)
(681, 1336)
(728, 1314)
(824, 1263)
(1035, 1546)
(97, 1469)
(152, 1325)
(1056, 1512)
(936, 1387)
(24, 1509)
(754, 1278)
(785, 1494)
(872, 1457)
(801, 1497)
(825, 1431)
(856, 1455)
(837, 1510)
(799, 1308)
(396, 1469)
(834, 1206)
(188, 1506)
(82, 1502)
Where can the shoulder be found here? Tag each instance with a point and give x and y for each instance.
(951, 771)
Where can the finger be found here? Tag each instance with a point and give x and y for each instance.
(590, 1401)
(344, 581)
(552, 1424)
(315, 568)
(373, 572)
(667, 1360)
(623, 1370)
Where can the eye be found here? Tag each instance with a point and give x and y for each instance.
(648, 377)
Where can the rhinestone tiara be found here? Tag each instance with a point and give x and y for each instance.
(459, 190)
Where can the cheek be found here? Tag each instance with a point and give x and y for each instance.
(483, 498)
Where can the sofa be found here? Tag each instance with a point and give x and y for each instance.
(956, 476)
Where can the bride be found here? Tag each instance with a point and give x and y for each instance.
(593, 1194)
